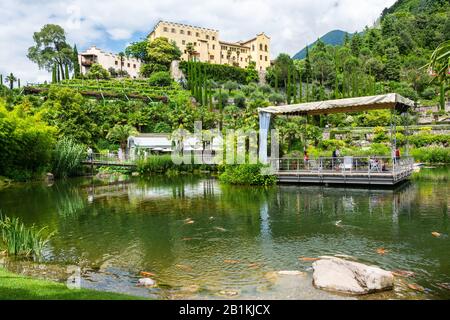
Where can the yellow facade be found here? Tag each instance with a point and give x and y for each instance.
(208, 48)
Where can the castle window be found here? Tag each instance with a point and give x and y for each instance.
(183, 41)
(260, 46)
(260, 57)
(173, 30)
(188, 33)
(134, 66)
(197, 34)
(165, 29)
(214, 46)
(211, 57)
(265, 47)
(207, 37)
(116, 63)
(214, 38)
(181, 31)
(253, 47)
(128, 65)
(266, 58)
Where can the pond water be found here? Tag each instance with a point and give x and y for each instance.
(202, 239)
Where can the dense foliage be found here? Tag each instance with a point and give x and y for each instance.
(219, 72)
(26, 141)
(246, 174)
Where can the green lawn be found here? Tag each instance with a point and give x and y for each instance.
(17, 287)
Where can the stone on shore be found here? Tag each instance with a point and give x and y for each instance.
(146, 282)
(336, 274)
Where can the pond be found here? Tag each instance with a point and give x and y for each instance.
(202, 239)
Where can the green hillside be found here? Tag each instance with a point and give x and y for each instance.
(334, 38)
(390, 55)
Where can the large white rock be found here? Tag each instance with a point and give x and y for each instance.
(335, 274)
(146, 282)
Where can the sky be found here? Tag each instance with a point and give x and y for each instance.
(112, 24)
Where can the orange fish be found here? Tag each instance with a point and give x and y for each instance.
(403, 273)
(308, 259)
(147, 274)
(435, 234)
(231, 261)
(382, 250)
(415, 287)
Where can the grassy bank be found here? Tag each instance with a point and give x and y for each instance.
(17, 287)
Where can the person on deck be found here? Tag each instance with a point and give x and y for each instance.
(397, 154)
(90, 154)
(305, 156)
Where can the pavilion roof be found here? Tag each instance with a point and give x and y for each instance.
(384, 101)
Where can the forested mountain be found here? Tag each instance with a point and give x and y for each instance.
(389, 56)
(334, 38)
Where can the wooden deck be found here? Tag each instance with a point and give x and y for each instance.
(351, 171)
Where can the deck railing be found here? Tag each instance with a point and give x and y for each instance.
(373, 164)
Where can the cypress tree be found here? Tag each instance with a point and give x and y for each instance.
(66, 72)
(76, 64)
(300, 82)
(58, 75)
(54, 75)
(18, 83)
(1, 79)
(288, 86)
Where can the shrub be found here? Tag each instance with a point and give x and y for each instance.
(276, 98)
(160, 79)
(67, 157)
(239, 101)
(222, 98)
(246, 174)
(96, 71)
(432, 154)
(331, 144)
(25, 143)
(219, 72)
(230, 85)
(21, 240)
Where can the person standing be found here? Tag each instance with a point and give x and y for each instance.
(90, 154)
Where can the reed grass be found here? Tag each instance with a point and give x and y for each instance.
(21, 240)
(67, 157)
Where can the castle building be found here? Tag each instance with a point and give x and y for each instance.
(108, 61)
(204, 45)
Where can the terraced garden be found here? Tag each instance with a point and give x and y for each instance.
(113, 89)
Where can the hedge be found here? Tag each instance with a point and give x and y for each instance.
(219, 72)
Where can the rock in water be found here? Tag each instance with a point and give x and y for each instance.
(146, 282)
(335, 274)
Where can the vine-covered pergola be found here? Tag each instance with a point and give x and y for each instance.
(392, 101)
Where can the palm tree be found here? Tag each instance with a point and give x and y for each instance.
(439, 67)
(120, 133)
(190, 49)
(11, 79)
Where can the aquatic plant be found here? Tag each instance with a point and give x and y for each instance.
(246, 174)
(21, 240)
(67, 157)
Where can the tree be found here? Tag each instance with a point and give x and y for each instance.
(392, 69)
(96, 71)
(230, 86)
(161, 53)
(190, 49)
(122, 59)
(76, 64)
(11, 79)
(120, 133)
(138, 50)
(51, 49)
(439, 66)
(252, 73)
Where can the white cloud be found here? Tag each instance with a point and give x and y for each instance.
(291, 24)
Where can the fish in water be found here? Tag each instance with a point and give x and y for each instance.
(220, 229)
(338, 223)
(435, 234)
(231, 261)
(147, 274)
